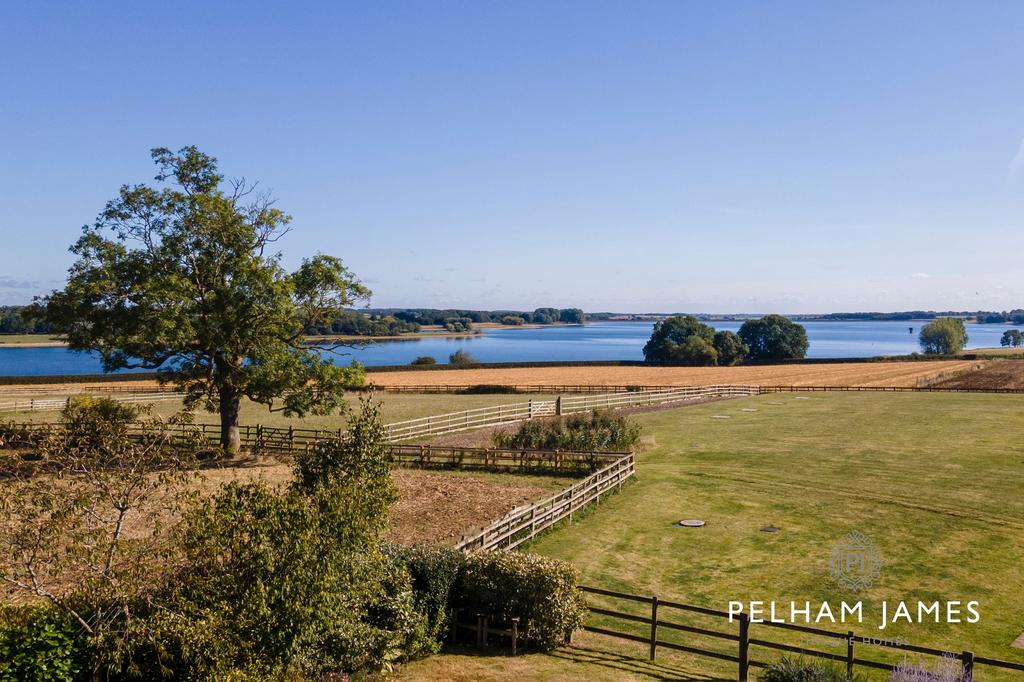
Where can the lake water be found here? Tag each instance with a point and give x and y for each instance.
(594, 341)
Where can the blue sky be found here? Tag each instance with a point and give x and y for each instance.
(790, 157)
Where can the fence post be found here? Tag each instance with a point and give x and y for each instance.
(967, 674)
(515, 635)
(849, 653)
(744, 647)
(654, 625)
(558, 406)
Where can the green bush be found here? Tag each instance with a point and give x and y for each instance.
(424, 360)
(435, 571)
(538, 590)
(799, 670)
(38, 644)
(486, 389)
(461, 358)
(581, 432)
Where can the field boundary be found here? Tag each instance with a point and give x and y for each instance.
(522, 524)
(743, 640)
(635, 388)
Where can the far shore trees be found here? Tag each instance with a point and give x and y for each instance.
(181, 278)
(944, 336)
(774, 337)
(1012, 337)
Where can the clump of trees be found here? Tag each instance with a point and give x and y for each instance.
(19, 320)
(181, 278)
(354, 323)
(944, 336)
(513, 320)
(774, 337)
(458, 324)
(431, 316)
(685, 340)
(1012, 337)
(461, 358)
(424, 360)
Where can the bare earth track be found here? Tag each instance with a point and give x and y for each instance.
(995, 374)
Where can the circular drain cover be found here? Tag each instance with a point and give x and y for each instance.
(691, 523)
(770, 529)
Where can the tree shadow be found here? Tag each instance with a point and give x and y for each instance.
(631, 664)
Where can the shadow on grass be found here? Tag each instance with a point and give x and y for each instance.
(630, 664)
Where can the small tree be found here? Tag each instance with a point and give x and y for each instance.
(182, 279)
(1012, 337)
(774, 337)
(424, 360)
(461, 358)
(572, 316)
(85, 524)
(730, 347)
(681, 340)
(943, 336)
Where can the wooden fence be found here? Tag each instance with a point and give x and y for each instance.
(53, 404)
(525, 523)
(742, 639)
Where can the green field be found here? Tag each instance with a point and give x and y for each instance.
(396, 407)
(936, 481)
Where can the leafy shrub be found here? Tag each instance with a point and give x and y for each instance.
(424, 360)
(583, 432)
(799, 670)
(435, 571)
(294, 583)
(484, 389)
(538, 590)
(37, 644)
(461, 358)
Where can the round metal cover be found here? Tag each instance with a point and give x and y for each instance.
(691, 523)
(770, 529)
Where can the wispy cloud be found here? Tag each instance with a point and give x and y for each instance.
(920, 275)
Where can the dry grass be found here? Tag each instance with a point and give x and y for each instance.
(994, 374)
(838, 374)
(432, 506)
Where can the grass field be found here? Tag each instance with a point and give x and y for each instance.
(907, 373)
(29, 340)
(395, 408)
(934, 480)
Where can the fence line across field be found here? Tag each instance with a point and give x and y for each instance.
(53, 404)
(523, 524)
(743, 640)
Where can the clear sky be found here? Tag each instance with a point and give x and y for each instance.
(632, 156)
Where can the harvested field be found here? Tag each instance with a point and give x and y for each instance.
(994, 374)
(907, 373)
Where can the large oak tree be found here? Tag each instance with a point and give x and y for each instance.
(182, 278)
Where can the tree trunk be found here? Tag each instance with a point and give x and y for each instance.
(230, 401)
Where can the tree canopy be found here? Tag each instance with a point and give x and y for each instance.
(1012, 337)
(944, 336)
(774, 337)
(182, 278)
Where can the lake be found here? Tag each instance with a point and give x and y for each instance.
(594, 341)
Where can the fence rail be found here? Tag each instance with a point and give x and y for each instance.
(743, 640)
(52, 404)
(525, 523)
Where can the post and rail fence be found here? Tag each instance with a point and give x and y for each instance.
(744, 641)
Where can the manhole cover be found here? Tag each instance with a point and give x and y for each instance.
(770, 529)
(691, 523)
(720, 416)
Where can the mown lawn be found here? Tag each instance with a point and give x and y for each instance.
(936, 481)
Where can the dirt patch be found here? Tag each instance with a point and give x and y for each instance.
(906, 373)
(994, 374)
(432, 506)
